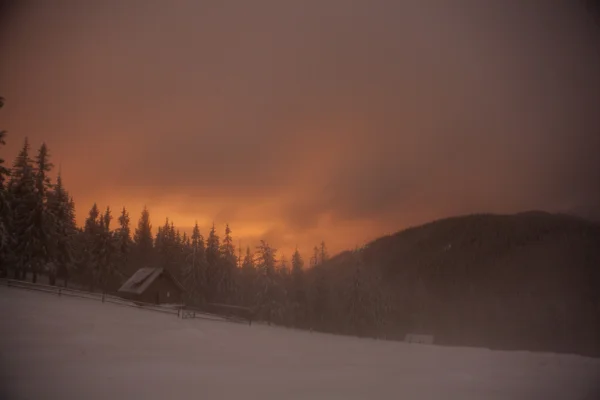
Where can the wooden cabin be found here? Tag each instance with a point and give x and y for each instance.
(152, 285)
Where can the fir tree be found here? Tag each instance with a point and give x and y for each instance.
(298, 289)
(167, 248)
(6, 240)
(365, 302)
(323, 255)
(43, 220)
(315, 257)
(213, 257)
(269, 288)
(142, 239)
(106, 251)
(123, 244)
(23, 202)
(227, 269)
(61, 207)
(195, 267)
(91, 262)
(248, 280)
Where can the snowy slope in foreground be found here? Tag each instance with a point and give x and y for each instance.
(67, 348)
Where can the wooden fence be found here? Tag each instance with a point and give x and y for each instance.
(228, 313)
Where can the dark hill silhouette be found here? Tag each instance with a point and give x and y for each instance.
(529, 281)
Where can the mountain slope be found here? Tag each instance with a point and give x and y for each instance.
(524, 281)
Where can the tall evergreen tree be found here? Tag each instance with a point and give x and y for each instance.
(195, 267)
(323, 254)
(142, 239)
(5, 215)
(61, 207)
(297, 291)
(315, 257)
(167, 249)
(43, 221)
(123, 244)
(106, 252)
(91, 262)
(248, 280)
(365, 302)
(23, 202)
(227, 270)
(270, 294)
(213, 258)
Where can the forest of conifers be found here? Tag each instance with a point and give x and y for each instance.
(39, 236)
(523, 281)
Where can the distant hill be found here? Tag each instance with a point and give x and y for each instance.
(528, 281)
(591, 213)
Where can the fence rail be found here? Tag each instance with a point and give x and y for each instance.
(179, 310)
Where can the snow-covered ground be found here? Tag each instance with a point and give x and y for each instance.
(67, 348)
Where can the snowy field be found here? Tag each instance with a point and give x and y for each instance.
(66, 348)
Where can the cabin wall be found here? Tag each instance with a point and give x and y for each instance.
(161, 291)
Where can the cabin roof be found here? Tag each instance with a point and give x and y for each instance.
(143, 278)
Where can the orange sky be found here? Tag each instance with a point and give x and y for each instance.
(298, 122)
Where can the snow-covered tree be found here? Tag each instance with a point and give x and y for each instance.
(23, 203)
(314, 260)
(227, 268)
(6, 238)
(297, 290)
(213, 258)
(107, 252)
(168, 249)
(123, 244)
(365, 301)
(142, 239)
(90, 262)
(62, 208)
(43, 221)
(323, 254)
(195, 267)
(269, 289)
(248, 280)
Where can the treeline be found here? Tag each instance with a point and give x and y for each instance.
(39, 236)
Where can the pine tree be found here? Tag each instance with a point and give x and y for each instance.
(323, 255)
(227, 269)
(43, 221)
(366, 304)
(195, 267)
(4, 172)
(6, 240)
(91, 262)
(61, 207)
(213, 257)
(106, 250)
(23, 202)
(248, 280)
(123, 244)
(315, 258)
(298, 290)
(269, 288)
(167, 249)
(142, 239)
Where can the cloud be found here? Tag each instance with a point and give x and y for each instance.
(305, 121)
